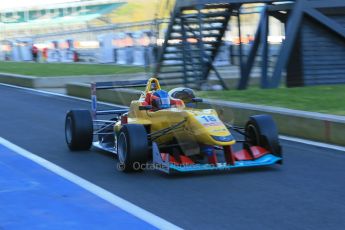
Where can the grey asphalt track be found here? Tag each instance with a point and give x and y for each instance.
(307, 192)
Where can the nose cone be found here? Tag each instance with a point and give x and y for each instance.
(227, 138)
(209, 129)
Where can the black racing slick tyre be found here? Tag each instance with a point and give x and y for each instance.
(261, 131)
(78, 130)
(132, 147)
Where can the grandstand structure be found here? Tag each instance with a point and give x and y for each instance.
(90, 25)
(56, 19)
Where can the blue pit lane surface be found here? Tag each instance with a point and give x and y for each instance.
(32, 196)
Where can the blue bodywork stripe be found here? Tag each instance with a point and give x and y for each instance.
(268, 159)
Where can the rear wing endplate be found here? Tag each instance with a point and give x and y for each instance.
(111, 85)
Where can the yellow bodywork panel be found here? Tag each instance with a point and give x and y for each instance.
(201, 125)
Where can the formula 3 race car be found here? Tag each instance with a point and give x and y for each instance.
(165, 131)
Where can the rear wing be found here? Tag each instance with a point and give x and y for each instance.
(111, 85)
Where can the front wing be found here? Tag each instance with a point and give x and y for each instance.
(165, 165)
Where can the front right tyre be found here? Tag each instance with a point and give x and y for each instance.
(262, 131)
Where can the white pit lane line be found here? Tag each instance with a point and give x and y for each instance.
(313, 143)
(94, 189)
(288, 138)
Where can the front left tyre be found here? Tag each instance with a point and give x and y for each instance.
(132, 147)
(78, 130)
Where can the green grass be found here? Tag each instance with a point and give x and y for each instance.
(51, 70)
(323, 99)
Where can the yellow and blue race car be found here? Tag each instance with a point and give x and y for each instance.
(166, 131)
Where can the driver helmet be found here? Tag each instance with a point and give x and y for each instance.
(160, 100)
(182, 93)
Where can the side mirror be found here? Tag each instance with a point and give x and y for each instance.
(196, 100)
(145, 107)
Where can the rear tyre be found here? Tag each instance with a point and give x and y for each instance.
(262, 131)
(132, 147)
(78, 130)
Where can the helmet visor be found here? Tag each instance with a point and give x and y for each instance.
(165, 103)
